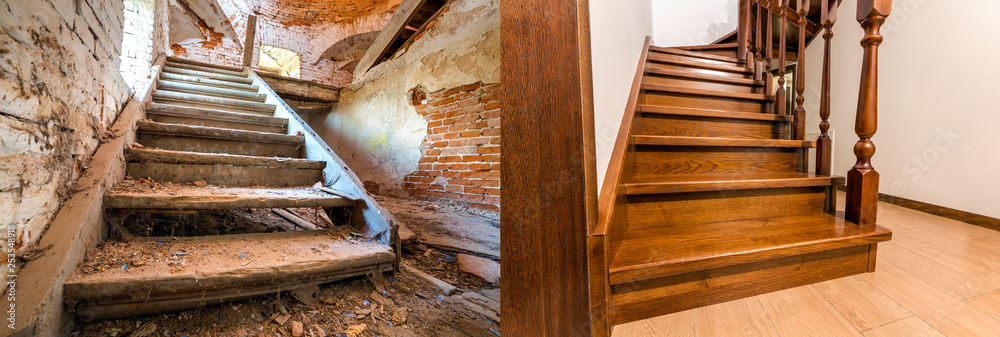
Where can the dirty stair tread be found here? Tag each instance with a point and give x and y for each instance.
(720, 142)
(181, 197)
(191, 88)
(205, 69)
(205, 74)
(707, 93)
(695, 54)
(683, 183)
(186, 157)
(708, 113)
(655, 58)
(671, 250)
(183, 98)
(277, 262)
(157, 128)
(175, 59)
(701, 76)
(209, 82)
(175, 110)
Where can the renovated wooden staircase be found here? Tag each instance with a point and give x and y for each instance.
(212, 140)
(709, 196)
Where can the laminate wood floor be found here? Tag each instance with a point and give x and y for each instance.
(937, 277)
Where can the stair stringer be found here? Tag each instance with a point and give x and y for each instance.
(374, 221)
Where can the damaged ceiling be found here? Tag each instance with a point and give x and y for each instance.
(199, 20)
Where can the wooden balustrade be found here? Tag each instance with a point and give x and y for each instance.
(758, 49)
(862, 179)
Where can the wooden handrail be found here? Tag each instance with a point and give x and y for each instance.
(862, 179)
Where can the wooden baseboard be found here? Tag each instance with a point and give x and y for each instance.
(950, 213)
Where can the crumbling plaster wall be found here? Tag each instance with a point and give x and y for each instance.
(60, 90)
(375, 127)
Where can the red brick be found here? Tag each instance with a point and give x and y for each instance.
(469, 150)
(487, 183)
(428, 159)
(465, 182)
(479, 167)
(492, 158)
(493, 191)
(451, 135)
(489, 149)
(454, 188)
(437, 187)
(440, 167)
(470, 87)
(491, 114)
(491, 132)
(459, 167)
(450, 159)
(485, 207)
(451, 174)
(475, 190)
(492, 105)
(432, 152)
(474, 133)
(472, 158)
(434, 124)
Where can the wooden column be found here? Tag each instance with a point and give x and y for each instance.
(781, 96)
(250, 40)
(549, 195)
(799, 125)
(824, 144)
(862, 179)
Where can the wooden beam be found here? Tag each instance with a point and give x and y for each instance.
(250, 40)
(392, 29)
(550, 192)
(301, 90)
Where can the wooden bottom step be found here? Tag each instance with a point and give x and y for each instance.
(222, 169)
(685, 183)
(673, 268)
(216, 269)
(131, 195)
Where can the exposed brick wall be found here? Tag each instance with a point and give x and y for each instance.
(461, 153)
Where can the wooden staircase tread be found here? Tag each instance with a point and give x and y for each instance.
(701, 65)
(220, 268)
(175, 59)
(709, 47)
(705, 92)
(151, 127)
(184, 97)
(701, 76)
(720, 142)
(181, 197)
(671, 250)
(667, 110)
(204, 74)
(185, 157)
(194, 88)
(205, 69)
(206, 113)
(683, 183)
(676, 51)
(208, 81)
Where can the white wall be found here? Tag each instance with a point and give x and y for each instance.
(692, 23)
(938, 102)
(618, 30)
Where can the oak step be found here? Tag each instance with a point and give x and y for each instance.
(653, 72)
(686, 183)
(203, 74)
(180, 137)
(218, 269)
(209, 82)
(695, 98)
(206, 69)
(676, 51)
(659, 252)
(721, 142)
(185, 98)
(708, 93)
(707, 113)
(184, 197)
(222, 169)
(680, 125)
(178, 114)
(210, 91)
(693, 62)
(175, 59)
(721, 46)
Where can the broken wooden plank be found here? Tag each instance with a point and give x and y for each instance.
(338, 193)
(302, 90)
(151, 127)
(248, 46)
(447, 288)
(454, 245)
(309, 226)
(186, 157)
(213, 197)
(225, 175)
(383, 42)
(477, 308)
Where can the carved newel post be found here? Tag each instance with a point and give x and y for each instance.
(862, 179)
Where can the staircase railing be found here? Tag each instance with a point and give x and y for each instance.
(763, 20)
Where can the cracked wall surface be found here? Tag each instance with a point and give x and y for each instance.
(60, 91)
(376, 128)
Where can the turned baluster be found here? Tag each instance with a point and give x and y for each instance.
(799, 127)
(769, 49)
(758, 50)
(746, 34)
(862, 179)
(824, 144)
(781, 105)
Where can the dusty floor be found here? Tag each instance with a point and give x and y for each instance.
(409, 305)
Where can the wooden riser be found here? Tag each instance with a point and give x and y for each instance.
(661, 56)
(725, 50)
(205, 145)
(214, 123)
(684, 68)
(665, 210)
(654, 160)
(641, 300)
(699, 55)
(687, 126)
(700, 83)
(205, 69)
(225, 175)
(681, 100)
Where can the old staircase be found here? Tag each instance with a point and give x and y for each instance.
(709, 196)
(217, 138)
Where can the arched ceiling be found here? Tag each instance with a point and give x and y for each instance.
(320, 12)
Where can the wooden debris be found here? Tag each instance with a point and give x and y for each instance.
(355, 330)
(144, 330)
(382, 299)
(296, 329)
(447, 288)
(486, 269)
(309, 226)
(399, 317)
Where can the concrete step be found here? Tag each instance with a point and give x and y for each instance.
(210, 91)
(202, 139)
(214, 76)
(203, 100)
(206, 69)
(209, 82)
(222, 169)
